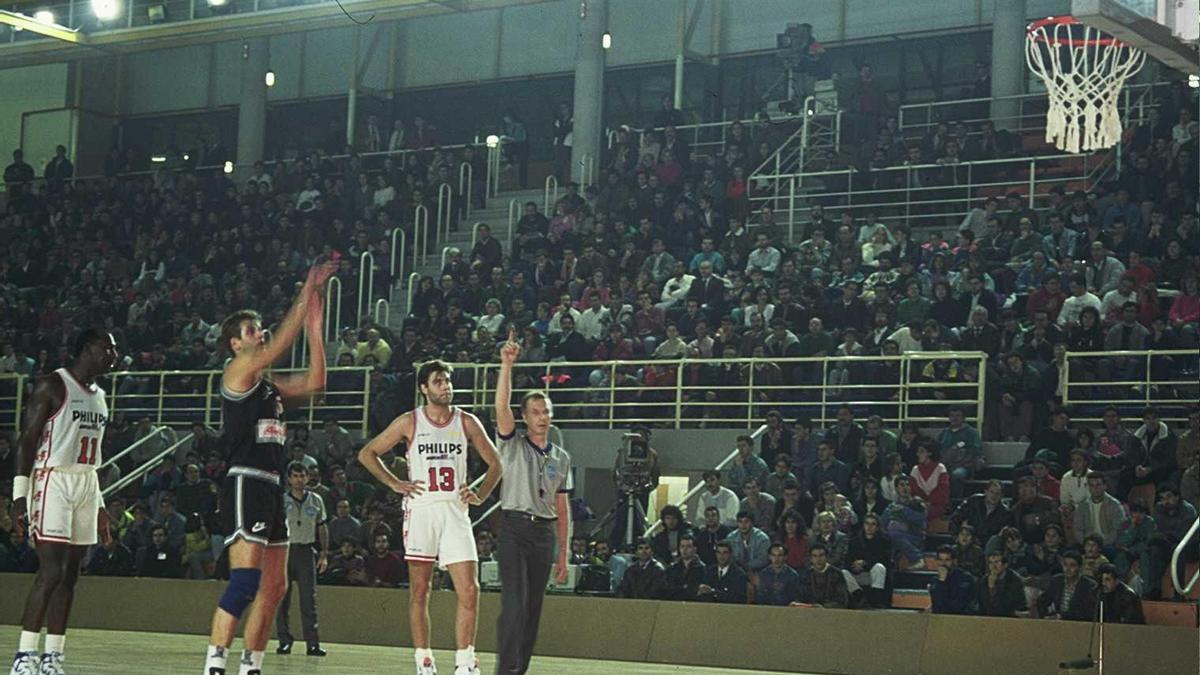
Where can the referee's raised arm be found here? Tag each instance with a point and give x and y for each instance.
(505, 424)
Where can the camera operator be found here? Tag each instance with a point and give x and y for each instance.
(804, 57)
(635, 474)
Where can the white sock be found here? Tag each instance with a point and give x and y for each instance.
(250, 661)
(464, 657)
(419, 655)
(54, 643)
(29, 641)
(217, 657)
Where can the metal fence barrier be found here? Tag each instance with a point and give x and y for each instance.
(1168, 380)
(679, 393)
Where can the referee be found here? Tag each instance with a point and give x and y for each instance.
(536, 515)
(306, 521)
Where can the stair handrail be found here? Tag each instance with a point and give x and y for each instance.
(687, 496)
(396, 263)
(413, 279)
(445, 209)
(546, 195)
(420, 233)
(385, 312)
(475, 236)
(465, 179)
(333, 303)
(366, 281)
(145, 468)
(514, 214)
(154, 433)
(1192, 533)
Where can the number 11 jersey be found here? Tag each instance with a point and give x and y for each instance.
(437, 457)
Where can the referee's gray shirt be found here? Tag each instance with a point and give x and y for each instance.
(533, 476)
(303, 516)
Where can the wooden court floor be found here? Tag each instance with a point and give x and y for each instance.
(105, 652)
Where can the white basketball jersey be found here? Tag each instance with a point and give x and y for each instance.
(73, 435)
(437, 457)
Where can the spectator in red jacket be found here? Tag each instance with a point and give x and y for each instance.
(931, 482)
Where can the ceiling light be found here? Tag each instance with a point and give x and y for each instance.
(606, 40)
(228, 166)
(105, 10)
(270, 78)
(44, 16)
(493, 140)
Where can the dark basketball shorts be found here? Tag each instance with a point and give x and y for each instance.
(252, 508)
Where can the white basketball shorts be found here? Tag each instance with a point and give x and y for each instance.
(438, 532)
(63, 506)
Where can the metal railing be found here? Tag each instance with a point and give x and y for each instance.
(1030, 114)
(465, 186)
(155, 432)
(925, 191)
(399, 249)
(704, 138)
(145, 468)
(494, 155)
(514, 214)
(12, 395)
(420, 234)
(549, 197)
(610, 394)
(181, 397)
(366, 286)
(695, 489)
(382, 312)
(445, 214)
(1168, 380)
(1189, 539)
(410, 288)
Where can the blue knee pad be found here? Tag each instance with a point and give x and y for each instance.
(243, 586)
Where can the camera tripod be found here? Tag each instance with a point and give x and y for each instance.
(631, 504)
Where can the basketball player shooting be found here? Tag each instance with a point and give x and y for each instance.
(436, 523)
(60, 445)
(253, 441)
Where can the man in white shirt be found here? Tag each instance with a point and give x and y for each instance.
(564, 307)
(1074, 305)
(1074, 489)
(676, 288)
(1115, 299)
(724, 500)
(764, 256)
(592, 322)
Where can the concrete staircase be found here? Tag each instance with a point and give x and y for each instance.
(461, 234)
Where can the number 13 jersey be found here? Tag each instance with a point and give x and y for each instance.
(72, 436)
(437, 457)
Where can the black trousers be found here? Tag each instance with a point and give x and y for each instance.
(302, 569)
(525, 551)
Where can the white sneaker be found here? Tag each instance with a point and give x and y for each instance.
(51, 664)
(25, 663)
(427, 667)
(468, 670)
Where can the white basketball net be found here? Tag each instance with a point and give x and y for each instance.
(1084, 70)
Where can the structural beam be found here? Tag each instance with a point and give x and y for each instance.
(50, 30)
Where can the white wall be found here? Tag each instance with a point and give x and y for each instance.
(521, 41)
(28, 89)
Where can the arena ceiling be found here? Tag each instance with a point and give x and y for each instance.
(65, 45)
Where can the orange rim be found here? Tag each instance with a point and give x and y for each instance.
(1035, 32)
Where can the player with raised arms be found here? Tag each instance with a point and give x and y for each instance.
(253, 441)
(437, 527)
(57, 456)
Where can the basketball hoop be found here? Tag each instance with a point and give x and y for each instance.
(1084, 70)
